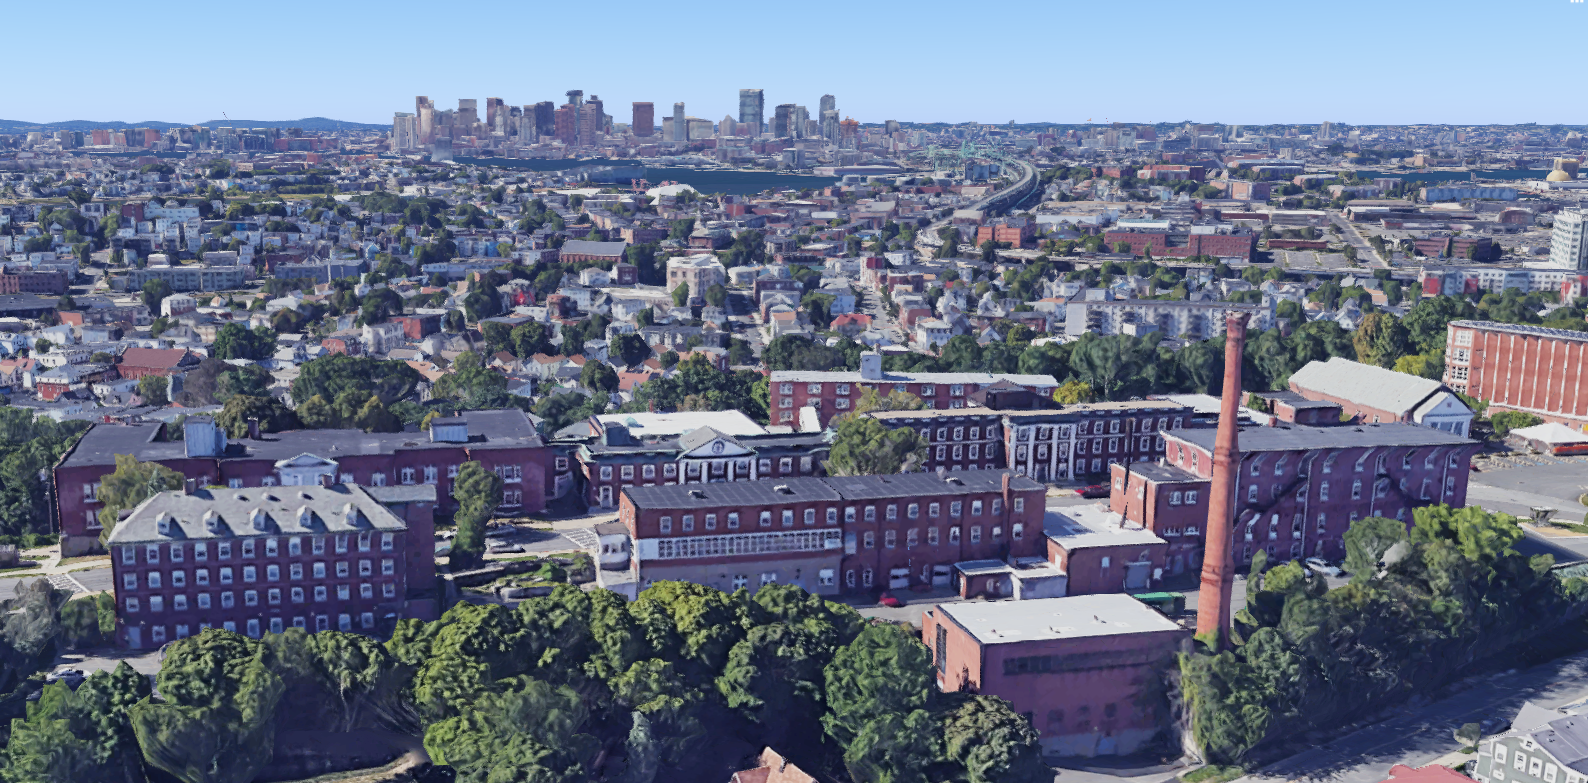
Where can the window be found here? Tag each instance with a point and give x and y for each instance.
(248, 548)
(956, 509)
(975, 508)
(250, 598)
(407, 475)
(227, 600)
(766, 519)
(1356, 490)
(319, 592)
(975, 534)
(1017, 531)
(297, 595)
(788, 517)
(711, 521)
(606, 472)
(733, 520)
(890, 539)
(319, 570)
(1020, 504)
(870, 540)
(832, 515)
(1190, 498)
(151, 554)
(865, 578)
(931, 536)
(341, 568)
(871, 513)
(628, 472)
(154, 580)
(377, 479)
(689, 523)
(223, 550)
(296, 570)
(273, 573)
(430, 470)
(179, 579)
(648, 471)
(1323, 489)
(953, 535)
(1174, 498)
(892, 512)
(129, 581)
(1251, 494)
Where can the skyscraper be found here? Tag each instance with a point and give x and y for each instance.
(1326, 130)
(752, 110)
(592, 122)
(425, 111)
(402, 131)
(801, 116)
(829, 103)
(644, 123)
(1568, 248)
(782, 121)
(830, 124)
(576, 100)
(468, 114)
(545, 118)
(680, 125)
(568, 124)
(495, 116)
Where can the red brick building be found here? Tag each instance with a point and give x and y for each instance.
(1018, 233)
(504, 441)
(1083, 669)
(1166, 244)
(418, 326)
(1516, 367)
(141, 362)
(833, 393)
(1300, 487)
(33, 282)
(831, 535)
(264, 560)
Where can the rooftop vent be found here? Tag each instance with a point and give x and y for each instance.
(954, 480)
(783, 489)
(697, 494)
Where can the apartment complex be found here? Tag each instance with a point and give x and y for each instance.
(831, 535)
(1300, 487)
(834, 393)
(503, 441)
(195, 277)
(1518, 367)
(271, 558)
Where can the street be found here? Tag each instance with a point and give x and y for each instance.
(1417, 736)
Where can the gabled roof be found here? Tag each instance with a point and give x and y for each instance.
(158, 358)
(1365, 384)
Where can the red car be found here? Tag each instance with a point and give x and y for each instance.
(888, 600)
(1094, 491)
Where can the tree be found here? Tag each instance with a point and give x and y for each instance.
(1427, 323)
(1073, 392)
(598, 377)
(863, 446)
(82, 735)
(681, 295)
(131, 483)
(630, 349)
(993, 744)
(328, 376)
(561, 410)
(272, 415)
(152, 388)
(716, 295)
(1366, 541)
(478, 492)
(1505, 421)
(155, 292)
(878, 690)
(791, 352)
(234, 341)
(896, 400)
(1380, 340)
(1420, 365)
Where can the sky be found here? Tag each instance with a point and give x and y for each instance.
(1239, 62)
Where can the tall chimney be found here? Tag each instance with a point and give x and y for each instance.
(1218, 568)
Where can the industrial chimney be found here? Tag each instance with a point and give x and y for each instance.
(1218, 569)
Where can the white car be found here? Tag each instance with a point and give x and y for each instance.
(1321, 566)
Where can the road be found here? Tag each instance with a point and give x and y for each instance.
(1365, 253)
(1416, 736)
(924, 249)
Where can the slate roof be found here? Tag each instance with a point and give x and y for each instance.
(305, 510)
(1365, 384)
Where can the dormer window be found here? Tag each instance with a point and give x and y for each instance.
(164, 524)
(212, 521)
(305, 517)
(259, 519)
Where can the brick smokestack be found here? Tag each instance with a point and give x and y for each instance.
(1218, 568)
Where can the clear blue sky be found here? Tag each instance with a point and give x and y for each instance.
(1238, 61)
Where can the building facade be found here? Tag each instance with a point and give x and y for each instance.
(1518, 367)
(1082, 669)
(1366, 393)
(264, 560)
(831, 535)
(504, 442)
(1187, 320)
(198, 277)
(616, 460)
(1300, 487)
(699, 272)
(834, 393)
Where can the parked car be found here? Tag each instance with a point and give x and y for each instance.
(500, 530)
(72, 676)
(1321, 566)
(500, 548)
(447, 535)
(1094, 491)
(888, 599)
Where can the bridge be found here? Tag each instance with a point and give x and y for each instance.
(926, 241)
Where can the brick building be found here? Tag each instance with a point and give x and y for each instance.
(585, 250)
(417, 326)
(831, 535)
(1237, 244)
(33, 282)
(1372, 394)
(1062, 444)
(1083, 669)
(141, 362)
(699, 272)
(264, 559)
(1299, 489)
(504, 441)
(833, 393)
(1517, 367)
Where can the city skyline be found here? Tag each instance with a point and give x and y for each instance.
(1352, 79)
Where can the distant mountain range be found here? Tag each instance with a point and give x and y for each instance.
(307, 123)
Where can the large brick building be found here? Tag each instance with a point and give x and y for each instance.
(1084, 670)
(33, 282)
(833, 394)
(1238, 244)
(832, 535)
(1062, 444)
(1517, 367)
(1366, 393)
(1299, 489)
(141, 362)
(504, 441)
(269, 558)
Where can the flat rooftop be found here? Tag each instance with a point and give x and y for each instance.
(1087, 527)
(1297, 437)
(1047, 619)
(671, 425)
